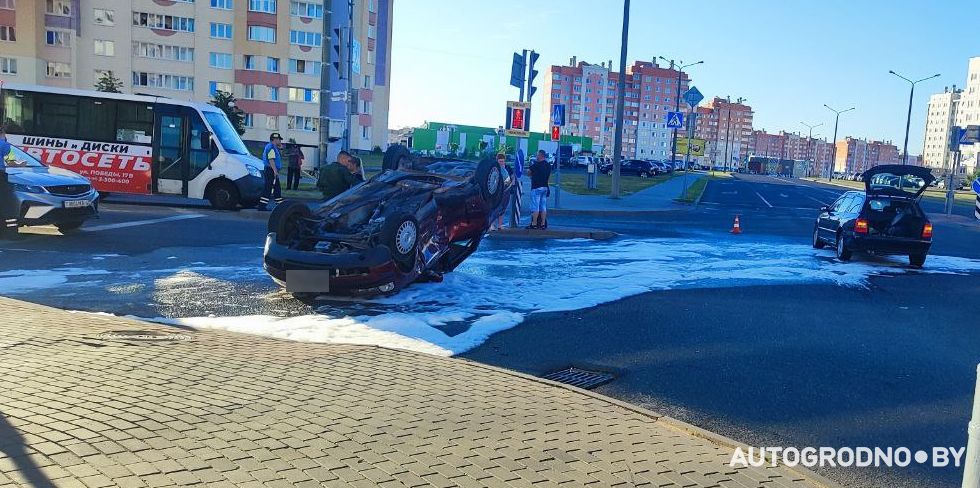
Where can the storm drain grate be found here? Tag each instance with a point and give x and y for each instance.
(580, 378)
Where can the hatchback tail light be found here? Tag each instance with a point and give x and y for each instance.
(861, 226)
(927, 231)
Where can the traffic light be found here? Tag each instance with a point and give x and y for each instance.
(532, 73)
(340, 52)
(555, 133)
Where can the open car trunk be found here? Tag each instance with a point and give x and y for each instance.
(894, 216)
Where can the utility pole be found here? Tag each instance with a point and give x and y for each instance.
(908, 119)
(677, 100)
(620, 94)
(325, 92)
(728, 127)
(809, 144)
(833, 158)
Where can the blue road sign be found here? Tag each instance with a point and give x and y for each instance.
(517, 71)
(976, 186)
(558, 115)
(693, 97)
(675, 120)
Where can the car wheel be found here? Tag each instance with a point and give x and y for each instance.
(223, 195)
(490, 181)
(843, 253)
(917, 260)
(817, 242)
(400, 233)
(69, 225)
(285, 220)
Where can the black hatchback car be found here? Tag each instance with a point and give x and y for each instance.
(635, 167)
(883, 219)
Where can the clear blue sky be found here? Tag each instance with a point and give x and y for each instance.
(451, 58)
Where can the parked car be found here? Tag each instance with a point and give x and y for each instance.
(885, 218)
(416, 220)
(633, 167)
(47, 195)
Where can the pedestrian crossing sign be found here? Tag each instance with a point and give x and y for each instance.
(675, 120)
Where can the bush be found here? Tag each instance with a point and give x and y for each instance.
(376, 150)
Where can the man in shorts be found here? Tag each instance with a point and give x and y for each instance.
(540, 173)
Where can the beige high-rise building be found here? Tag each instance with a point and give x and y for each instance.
(267, 52)
(940, 118)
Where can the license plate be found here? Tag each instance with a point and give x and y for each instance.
(77, 203)
(307, 281)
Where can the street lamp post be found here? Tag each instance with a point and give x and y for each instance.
(833, 157)
(809, 143)
(728, 128)
(908, 119)
(620, 93)
(677, 102)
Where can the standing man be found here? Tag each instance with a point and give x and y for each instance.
(540, 174)
(335, 178)
(295, 167)
(272, 159)
(8, 205)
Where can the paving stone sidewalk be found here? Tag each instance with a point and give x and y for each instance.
(80, 407)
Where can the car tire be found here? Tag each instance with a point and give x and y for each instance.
(490, 181)
(917, 260)
(400, 233)
(69, 226)
(223, 195)
(285, 218)
(843, 253)
(394, 156)
(817, 242)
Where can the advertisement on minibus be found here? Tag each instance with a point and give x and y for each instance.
(111, 167)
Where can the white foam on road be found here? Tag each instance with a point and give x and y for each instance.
(19, 281)
(496, 289)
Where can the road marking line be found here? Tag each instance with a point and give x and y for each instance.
(763, 199)
(818, 201)
(137, 223)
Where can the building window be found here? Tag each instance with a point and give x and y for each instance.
(249, 121)
(163, 22)
(273, 94)
(367, 81)
(365, 132)
(220, 31)
(304, 67)
(272, 65)
(161, 51)
(8, 66)
(372, 32)
(58, 38)
(58, 7)
(372, 6)
(304, 95)
(249, 92)
(222, 4)
(303, 38)
(248, 61)
(271, 122)
(7, 4)
(309, 124)
(103, 16)
(105, 48)
(365, 106)
(261, 33)
(220, 60)
(267, 6)
(306, 9)
(216, 86)
(59, 70)
(156, 80)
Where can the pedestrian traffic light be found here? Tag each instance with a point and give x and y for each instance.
(555, 133)
(531, 74)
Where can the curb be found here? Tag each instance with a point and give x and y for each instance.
(612, 213)
(508, 233)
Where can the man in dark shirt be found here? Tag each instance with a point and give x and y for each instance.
(540, 173)
(295, 166)
(336, 178)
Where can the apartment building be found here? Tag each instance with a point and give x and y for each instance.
(940, 118)
(267, 52)
(789, 145)
(589, 94)
(857, 155)
(726, 127)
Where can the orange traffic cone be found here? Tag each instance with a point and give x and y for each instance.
(736, 228)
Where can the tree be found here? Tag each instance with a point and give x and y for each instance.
(229, 105)
(108, 83)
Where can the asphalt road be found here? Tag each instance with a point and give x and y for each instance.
(802, 365)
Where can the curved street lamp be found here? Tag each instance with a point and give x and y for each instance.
(908, 120)
(833, 158)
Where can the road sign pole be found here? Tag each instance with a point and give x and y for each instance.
(950, 192)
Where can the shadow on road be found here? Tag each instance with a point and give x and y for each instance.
(13, 446)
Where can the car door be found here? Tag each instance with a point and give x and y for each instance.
(171, 159)
(829, 222)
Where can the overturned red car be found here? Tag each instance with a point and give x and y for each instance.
(416, 220)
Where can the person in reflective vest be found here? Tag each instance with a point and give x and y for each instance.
(8, 204)
(272, 159)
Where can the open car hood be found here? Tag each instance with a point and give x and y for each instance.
(905, 178)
